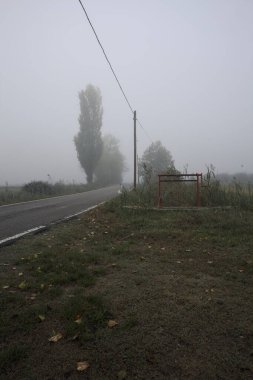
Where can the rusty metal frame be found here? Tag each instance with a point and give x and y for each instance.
(196, 177)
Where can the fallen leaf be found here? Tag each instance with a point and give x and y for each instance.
(42, 286)
(55, 338)
(82, 366)
(188, 250)
(20, 274)
(78, 320)
(22, 285)
(112, 323)
(241, 270)
(163, 249)
(41, 317)
(6, 287)
(142, 258)
(179, 262)
(209, 262)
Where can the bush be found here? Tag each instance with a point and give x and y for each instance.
(38, 187)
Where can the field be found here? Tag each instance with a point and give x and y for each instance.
(132, 293)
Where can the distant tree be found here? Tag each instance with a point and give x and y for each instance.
(156, 159)
(111, 165)
(88, 141)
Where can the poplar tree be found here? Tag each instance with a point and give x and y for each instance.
(88, 141)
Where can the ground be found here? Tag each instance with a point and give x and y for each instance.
(177, 286)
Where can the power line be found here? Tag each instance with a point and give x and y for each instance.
(146, 133)
(100, 44)
(110, 65)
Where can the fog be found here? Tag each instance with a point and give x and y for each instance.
(186, 67)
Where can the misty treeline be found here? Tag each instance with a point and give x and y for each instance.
(243, 178)
(99, 156)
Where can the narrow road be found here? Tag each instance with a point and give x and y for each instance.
(20, 217)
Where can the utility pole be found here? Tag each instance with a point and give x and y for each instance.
(135, 150)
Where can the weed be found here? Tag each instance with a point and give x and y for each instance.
(84, 316)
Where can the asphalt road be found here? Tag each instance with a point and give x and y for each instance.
(20, 217)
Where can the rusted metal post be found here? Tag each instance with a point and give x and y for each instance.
(135, 153)
(198, 190)
(159, 192)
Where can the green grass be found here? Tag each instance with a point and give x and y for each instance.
(179, 284)
(90, 311)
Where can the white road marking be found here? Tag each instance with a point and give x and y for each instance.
(35, 229)
(17, 236)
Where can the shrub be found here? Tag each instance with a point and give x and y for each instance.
(38, 187)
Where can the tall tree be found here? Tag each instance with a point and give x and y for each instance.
(156, 159)
(111, 165)
(88, 141)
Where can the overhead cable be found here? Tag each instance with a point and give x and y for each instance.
(106, 57)
(110, 65)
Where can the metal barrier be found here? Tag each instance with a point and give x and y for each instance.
(197, 177)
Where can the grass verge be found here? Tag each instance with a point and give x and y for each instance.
(178, 284)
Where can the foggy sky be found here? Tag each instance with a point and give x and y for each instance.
(186, 66)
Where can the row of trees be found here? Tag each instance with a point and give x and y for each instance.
(100, 156)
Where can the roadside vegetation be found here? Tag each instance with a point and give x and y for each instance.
(39, 190)
(174, 194)
(131, 293)
(214, 191)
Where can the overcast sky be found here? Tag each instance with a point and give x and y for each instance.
(185, 65)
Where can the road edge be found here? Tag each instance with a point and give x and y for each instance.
(33, 231)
